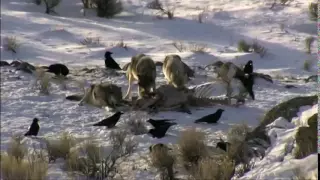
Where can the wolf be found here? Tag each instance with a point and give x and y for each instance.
(174, 71)
(142, 69)
(102, 95)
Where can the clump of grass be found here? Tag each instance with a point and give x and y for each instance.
(214, 168)
(37, 2)
(137, 126)
(244, 168)
(163, 161)
(191, 146)
(108, 8)
(60, 148)
(16, 149)
(179, 46)
(17, 163)
(308, 43)
(90, 41)
(243, 46)
(198, 48)
(201, 16)
(88, 3)
(11, 44)
(155, 4)
(313, 11)
(122, 44)
(307, 65)
(284, 2)
(255, 47)
(50, 5)
(87, 164)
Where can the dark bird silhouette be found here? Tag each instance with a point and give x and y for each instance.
(111, 121)
(110, 62)
(211, 118)
(160, 122)
(160, 131)
(34, 128)
(76, 97)
(248, 68)
(223, 145)
(58, 69)
(247, 82)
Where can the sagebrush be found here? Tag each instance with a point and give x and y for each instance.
(163, 161)
(50, 5)
(313, 11)
(108, 8)
(308, 43)
(11, 44)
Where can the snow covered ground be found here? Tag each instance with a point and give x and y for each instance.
(45, 39)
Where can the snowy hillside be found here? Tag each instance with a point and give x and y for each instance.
(45, 39)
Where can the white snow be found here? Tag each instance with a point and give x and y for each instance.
(46, 39)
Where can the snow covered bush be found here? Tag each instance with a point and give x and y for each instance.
(313, 11)
(108, 8)
(50, 5)
(17, 163)
(191, 146)
(11, 44)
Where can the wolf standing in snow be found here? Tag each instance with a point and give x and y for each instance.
(174, 71)
(142, 69)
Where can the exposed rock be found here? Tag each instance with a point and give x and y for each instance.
(4, 63)
(312, 78)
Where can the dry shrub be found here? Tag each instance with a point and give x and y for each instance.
(16, 149)
(155, 4)
(239, 149)
(201, 16)
(108, 8)
(87, 164)
(198, 48)
(17, 163)
(121, 44)
(11, 44)
(50, 5)
(137, 126)
(257, 48)
(284, 2)
(89, 41)
(44, 83)
(217, 168)
(308, 44)
(307, 65)
(60, 148)
(244, 168)
(163, 161)
(88, 4)
(95, 164)
(191, 146)
(37, 2)
(243, 46)
(179, 46)
(313, 11)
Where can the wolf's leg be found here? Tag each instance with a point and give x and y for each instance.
(129, 87)
(85, 97)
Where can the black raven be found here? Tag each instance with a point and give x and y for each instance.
(211, 118)
(34, 128)
(110, 62)
(111, 121)
(160, 132)
(248, 68)
(58, 69)
(160, 122)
